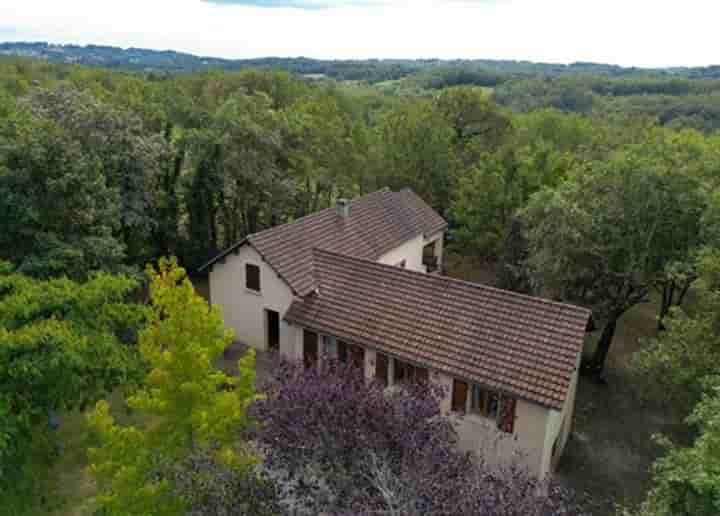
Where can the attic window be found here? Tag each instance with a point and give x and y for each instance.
(252, 277)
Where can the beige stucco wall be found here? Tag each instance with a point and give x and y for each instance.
(526, 445)
(410, 251)
(530, 444)
(244, 310)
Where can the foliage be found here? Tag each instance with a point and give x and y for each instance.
(212, 488)
(190, 405)
(341, 445)
(687, 479)
(603, 236)
(688, 352)
(63, 345)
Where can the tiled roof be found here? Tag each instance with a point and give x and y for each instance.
(378, 222)
(517, 344)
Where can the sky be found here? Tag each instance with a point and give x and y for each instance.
(648, 33)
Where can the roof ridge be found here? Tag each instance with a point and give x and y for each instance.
(320, 212)
(448, 279)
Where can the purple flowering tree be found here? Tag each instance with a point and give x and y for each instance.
(338, 444)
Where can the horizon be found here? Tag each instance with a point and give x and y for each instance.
(554, 32)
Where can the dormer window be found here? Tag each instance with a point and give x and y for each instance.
(252, 277)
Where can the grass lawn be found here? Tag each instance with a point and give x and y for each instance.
(67, 488)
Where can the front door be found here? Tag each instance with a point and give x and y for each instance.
(310, 348)
(273, 330)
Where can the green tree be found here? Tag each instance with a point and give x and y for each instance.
(63, 345)
(418, 152)
(190, 405)
(687, 480)
(58, 214)
(605, 235)
(681, 358)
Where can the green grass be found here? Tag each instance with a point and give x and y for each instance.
(65, 488)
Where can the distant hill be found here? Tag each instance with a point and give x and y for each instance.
(372, 70)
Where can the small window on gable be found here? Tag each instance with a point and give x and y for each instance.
(252, 277)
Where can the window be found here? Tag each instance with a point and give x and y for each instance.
(252, 277)
(330, 345)
(492, 405)
(355, 354)
(410, 373)
(402, 264)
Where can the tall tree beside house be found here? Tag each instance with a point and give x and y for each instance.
(604, 236)
(191, 407)
(58, 214)
(129, 156)
(63, 345)
(684, 361)
(418, 152)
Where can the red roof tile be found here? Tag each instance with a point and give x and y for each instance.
(378, 222)
(524, 346)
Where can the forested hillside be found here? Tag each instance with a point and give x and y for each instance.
(587, 188)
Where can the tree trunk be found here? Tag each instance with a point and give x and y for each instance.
(603, 347)
(668, 292)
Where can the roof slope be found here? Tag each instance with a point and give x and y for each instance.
(378, 222)
(517, 344)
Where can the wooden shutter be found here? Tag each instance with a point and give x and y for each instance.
(310, 348)
(422, 375)
(506, 421)
(459, 397)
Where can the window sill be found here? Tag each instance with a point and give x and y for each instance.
(257, 293)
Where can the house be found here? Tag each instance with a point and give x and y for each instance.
(360, 282)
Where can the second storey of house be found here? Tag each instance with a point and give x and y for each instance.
(256, 280)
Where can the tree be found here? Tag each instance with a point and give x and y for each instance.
(342, 445)
(58, 215)
(681, 358)
(606, 234)
(191, 406)
(687, 480)
(418, 152)
(130, 158)
(63, 345)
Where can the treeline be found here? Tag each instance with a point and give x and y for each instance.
(370, 70)
(105, 171)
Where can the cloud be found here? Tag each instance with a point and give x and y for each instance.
(301, 4)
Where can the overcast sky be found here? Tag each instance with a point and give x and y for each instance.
(626, 32)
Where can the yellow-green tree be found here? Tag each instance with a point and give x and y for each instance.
(188, 405)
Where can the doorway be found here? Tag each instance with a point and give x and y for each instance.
(272, 323)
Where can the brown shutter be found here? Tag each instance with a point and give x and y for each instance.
(310, 348)
(506, 422)
(459, 396)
